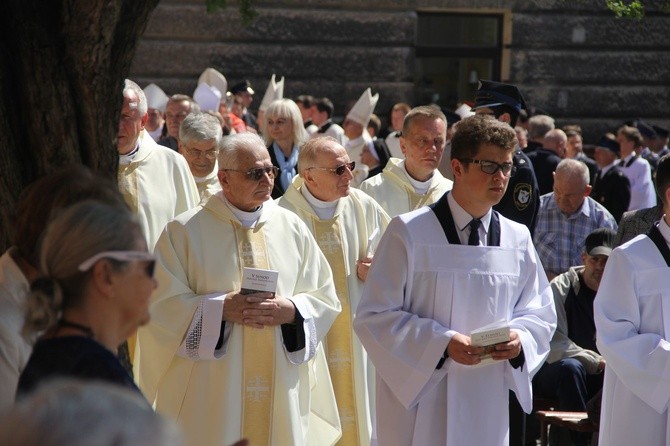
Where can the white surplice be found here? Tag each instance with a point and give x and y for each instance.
(395, 193)
(198, 264)
(163, 183)
(632, 315)
(421, 291)
(358, 216)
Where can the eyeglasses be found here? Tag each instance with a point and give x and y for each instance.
(257, 173)
(121, 256)
(491, 167)
(209, 154)
(339, 170)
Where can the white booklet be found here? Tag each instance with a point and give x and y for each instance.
(256, 280)
(489, 335)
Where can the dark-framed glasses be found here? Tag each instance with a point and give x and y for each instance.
(339, 170)
(491, 167)
(257, 173)
(121, 256)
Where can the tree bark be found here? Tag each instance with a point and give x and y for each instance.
(62, 66)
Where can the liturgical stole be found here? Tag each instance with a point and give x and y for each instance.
(258, 347)
(127, 179)
(416, 200)
(339, 339)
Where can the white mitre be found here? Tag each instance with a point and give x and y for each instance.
(215, 79)
(363, 108)
(275, 91)
(156, 98)
(207, 97)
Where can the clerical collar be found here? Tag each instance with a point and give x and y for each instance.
(126, 159)
(355, 142)
(420, 187)
(462, 218)
(248, 219)
(324, 209)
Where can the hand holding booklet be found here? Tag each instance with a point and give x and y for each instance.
(488, 336)
(256, 280)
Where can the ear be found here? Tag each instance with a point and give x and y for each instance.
(144, 120)
(223, 177)
(403, 148)
(587, 190)
(505, 117)
(583, 255)
(181, 148)
(102, 278)
(457, 168)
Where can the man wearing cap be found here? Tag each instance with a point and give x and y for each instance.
(522, 199)
(199, 138)
(156, 102)
(245, 94)
(427, 290)
(358, 139)
(572, 374)
(342, 220)
(611, 187)
(409, 183)
(228, 364)
(155, 181)
(636, 168)
(322, 114)
(660, 143)
(645, 150)
(633, 334)
(567, 215)
(177, 108)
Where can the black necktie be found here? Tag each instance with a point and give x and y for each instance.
(597, 178)
(474, 232)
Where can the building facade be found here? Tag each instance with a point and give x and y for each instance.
(572, 59)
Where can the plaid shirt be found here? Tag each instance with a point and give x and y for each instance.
(559, 239)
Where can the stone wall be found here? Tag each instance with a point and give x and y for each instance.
(572, 59)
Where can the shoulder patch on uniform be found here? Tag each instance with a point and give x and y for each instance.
(523, 193)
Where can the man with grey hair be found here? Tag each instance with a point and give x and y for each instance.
(156, 182)
(538, 127)
(176, 110)
(407, 184)
(199, 139)
(343, 221)
(566, 216)
(245, 298)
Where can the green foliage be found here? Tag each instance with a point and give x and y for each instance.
(247, 10)
(621, 8)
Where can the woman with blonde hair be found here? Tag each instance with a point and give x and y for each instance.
(284, 131)
(93, 293)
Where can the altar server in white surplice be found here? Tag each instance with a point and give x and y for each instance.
(199, 138)
(227, 365)
(342, 220)
(155, 182)
(633, 333)
(426, 292)
(406, 185)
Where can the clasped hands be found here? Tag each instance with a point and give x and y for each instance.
(463, 352)
(258, 310)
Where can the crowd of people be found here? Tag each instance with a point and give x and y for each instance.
(279, 279)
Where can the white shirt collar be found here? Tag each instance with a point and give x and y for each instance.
(462, 220)
(324, 209)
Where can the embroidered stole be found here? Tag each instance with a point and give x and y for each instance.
(339, 339)
(259, 349)
(127, 179)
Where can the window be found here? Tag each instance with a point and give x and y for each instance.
(456, 49)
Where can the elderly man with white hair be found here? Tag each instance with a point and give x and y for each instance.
(155, 181)
(566, 216)
(229, 363)
(199, 139)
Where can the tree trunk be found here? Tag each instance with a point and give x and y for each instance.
(62, 66)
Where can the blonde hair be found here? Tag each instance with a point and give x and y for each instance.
(78, 233)
(285, 108)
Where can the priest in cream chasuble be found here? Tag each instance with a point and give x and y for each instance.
(342, 220)
(227, 365)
